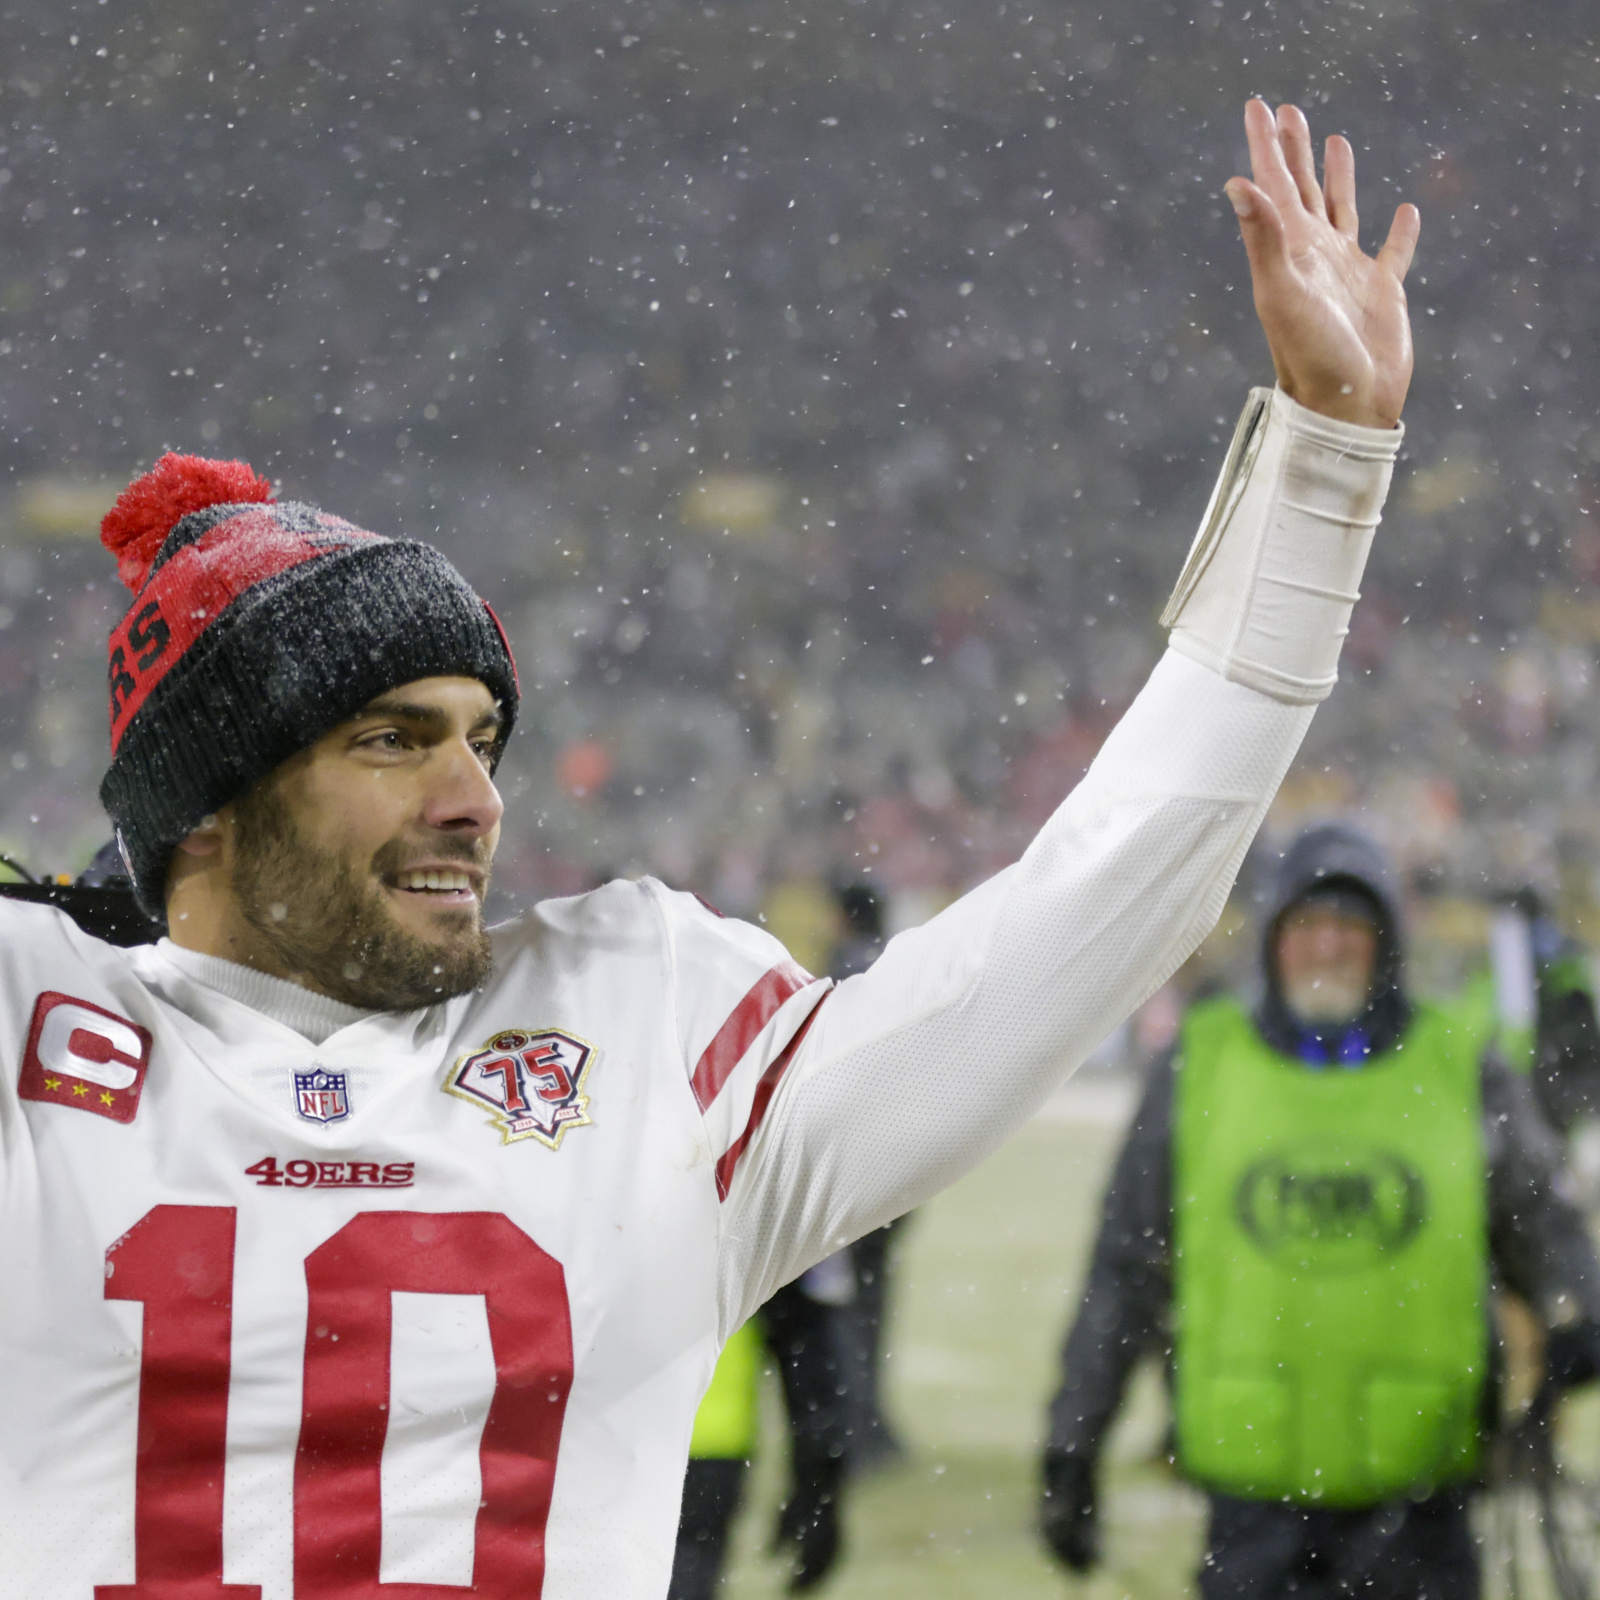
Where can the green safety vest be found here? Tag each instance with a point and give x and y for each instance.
(1331, 1263)
(725, 1424)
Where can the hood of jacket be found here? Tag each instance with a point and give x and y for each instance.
(1333, 858)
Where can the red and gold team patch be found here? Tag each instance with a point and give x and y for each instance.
(531, 1079)
(81, 1055)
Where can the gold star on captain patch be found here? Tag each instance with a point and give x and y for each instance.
(52, 1083)
(80, 1088)
(107, 1098)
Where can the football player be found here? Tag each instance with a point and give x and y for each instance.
(347, 1242)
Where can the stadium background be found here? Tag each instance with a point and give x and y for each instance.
(824, 396)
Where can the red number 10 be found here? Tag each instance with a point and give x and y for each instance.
(178, 1260)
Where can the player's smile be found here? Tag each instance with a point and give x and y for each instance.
(438, 885)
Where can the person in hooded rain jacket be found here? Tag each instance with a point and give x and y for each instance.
(1312, 1204)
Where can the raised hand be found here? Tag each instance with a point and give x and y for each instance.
(1335, 319)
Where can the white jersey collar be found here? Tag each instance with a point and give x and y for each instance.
(313, 1016)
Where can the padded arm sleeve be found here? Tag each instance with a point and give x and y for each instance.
(1265, 596)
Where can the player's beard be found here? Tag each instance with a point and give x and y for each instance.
(326, 918)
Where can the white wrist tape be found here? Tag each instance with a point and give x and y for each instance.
(1265, 596)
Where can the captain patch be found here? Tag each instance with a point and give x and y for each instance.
(80, 1055)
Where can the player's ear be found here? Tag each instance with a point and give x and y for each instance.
(206, 840)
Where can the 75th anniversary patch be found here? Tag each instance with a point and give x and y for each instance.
(531, 1080)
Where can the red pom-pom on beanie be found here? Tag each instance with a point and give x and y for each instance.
(153, 505)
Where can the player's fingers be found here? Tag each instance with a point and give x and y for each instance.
(1295, 138)
(1401, 245)
(1261, 226)
(1339, 173)
(1266, 154)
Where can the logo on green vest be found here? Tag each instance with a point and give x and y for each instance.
(1322, 1207)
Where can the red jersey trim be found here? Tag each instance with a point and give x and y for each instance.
(765, 1090)
(765, 999)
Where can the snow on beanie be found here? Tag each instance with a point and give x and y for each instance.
(256, 626)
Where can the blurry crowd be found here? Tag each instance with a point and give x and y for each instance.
(824, 399)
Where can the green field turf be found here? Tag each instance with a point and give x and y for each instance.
(988, 1277)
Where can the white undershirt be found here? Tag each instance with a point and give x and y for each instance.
(313, 1016)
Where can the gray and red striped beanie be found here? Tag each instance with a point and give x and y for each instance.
(256, 626)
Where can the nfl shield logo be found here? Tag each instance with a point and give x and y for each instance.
(319, 1095)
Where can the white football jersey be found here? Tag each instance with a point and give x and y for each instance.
(430, 1304)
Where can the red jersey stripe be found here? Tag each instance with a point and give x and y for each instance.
(746, 1021)
(758, 1109)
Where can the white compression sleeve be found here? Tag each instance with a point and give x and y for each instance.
(917, 1069)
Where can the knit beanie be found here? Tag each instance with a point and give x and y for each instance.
(257, 626)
